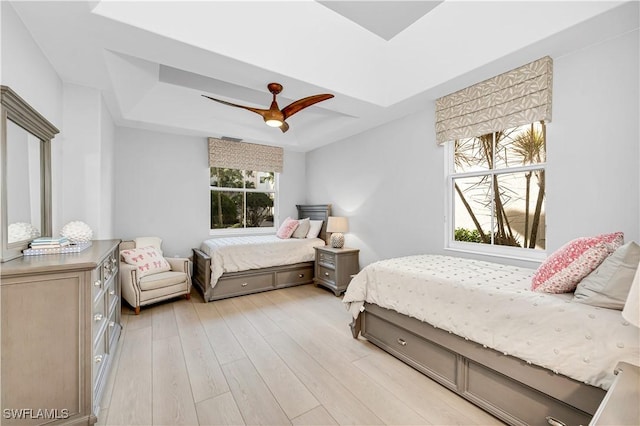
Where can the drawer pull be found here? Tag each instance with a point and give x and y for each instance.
(300, 275)
(244, 284)
(112, 324)
(402, 341)
(326, 274)
(113, 260)
(97, 283)
(98, 317)
(98, 359)
(554, 422)
(112, 292)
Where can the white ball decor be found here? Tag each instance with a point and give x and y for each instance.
(77, 232)
(20, 231)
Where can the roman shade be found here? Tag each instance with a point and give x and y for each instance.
(244, 156)
(517, 97)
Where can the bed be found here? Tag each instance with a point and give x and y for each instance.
(468, 325)
(229, 267)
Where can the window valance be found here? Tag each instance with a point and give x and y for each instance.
(517, 97)
(245, 156)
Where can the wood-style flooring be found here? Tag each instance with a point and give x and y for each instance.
(275, 358)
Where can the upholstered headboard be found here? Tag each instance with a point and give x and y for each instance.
(316, 212)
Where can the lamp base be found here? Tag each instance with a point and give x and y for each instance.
(337, 240)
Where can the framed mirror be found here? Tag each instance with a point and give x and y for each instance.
(25, 172)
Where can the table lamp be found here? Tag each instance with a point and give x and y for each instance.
(336, 226)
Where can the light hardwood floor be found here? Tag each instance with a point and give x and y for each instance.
(276, 358)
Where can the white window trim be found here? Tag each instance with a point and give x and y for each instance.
(237, 232)
(506, 252)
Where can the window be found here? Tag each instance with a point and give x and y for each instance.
(497, 187)
(242, 199)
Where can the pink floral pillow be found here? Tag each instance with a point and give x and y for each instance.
(148, 260)
(286, 229)
(563, 270)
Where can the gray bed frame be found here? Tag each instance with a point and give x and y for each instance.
(233, 284)
(512, 390)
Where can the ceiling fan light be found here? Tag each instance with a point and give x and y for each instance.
(273, 122)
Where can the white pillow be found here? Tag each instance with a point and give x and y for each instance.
(302, 229)
(314, 228)
(148, 260)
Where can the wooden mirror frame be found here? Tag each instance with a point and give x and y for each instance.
(14, 108)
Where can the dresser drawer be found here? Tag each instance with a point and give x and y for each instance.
(98, 318)
(99, 358)
(97, 284)
(299, 276)
(110, 294)
(244, 284)
(327, 258)
(326, 274)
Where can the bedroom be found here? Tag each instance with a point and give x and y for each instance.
(394, 166)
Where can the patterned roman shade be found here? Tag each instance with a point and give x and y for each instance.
(244, 156)
(517, 97)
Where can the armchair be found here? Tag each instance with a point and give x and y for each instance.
(141, 285)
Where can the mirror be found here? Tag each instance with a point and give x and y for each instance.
(25, 169)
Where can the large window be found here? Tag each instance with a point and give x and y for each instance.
(497, 187)
(242, 199)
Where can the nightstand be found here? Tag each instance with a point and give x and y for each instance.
(620, 404)
(335, 266)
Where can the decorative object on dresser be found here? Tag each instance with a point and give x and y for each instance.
(337, 226)
(77, 232)
(60, 327)
(25, 174)
(335, 266)
(221, 270)
(148, 277)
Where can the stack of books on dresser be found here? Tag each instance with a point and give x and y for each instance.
(49, 243)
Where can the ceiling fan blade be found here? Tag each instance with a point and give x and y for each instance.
(256, 110)
(284, 127)
(296, 106)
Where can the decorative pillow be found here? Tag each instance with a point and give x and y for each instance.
(608, 286)
(286, 229)
(302, 229)
(148, 260)
(314, 228)
(563, 270)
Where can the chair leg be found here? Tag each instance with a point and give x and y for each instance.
(137, 310)
(187, 296)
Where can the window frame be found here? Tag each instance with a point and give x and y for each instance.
(517, 253)
(263, 230)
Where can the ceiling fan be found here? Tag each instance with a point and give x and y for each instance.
(274, 116)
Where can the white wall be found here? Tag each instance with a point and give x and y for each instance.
(389, 181)
(162, 183)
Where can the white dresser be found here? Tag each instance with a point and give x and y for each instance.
(60, 324)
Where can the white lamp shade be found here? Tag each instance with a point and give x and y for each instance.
(337, 224)
(631, 311)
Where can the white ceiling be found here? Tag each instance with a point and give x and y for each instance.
(152, 60)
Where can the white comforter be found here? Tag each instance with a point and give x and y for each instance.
(234, 254)
(491, 304)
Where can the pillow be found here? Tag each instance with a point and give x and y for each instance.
(148, 260)
(563, 270)
(608, 286)
(314, 228)
(302, 229)
(286, 229)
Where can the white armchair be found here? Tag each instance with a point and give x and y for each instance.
(140, 289)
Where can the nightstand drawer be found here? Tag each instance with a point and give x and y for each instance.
(326, 274)
(328, 259)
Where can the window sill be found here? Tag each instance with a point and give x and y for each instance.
(521, 255)
(241, 232)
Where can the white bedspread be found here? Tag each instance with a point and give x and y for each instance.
(234, 254)
(491, 304)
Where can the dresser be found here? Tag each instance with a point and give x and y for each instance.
(60, 325)
(335, 266)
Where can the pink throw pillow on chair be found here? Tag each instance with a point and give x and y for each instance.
(286, 229)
